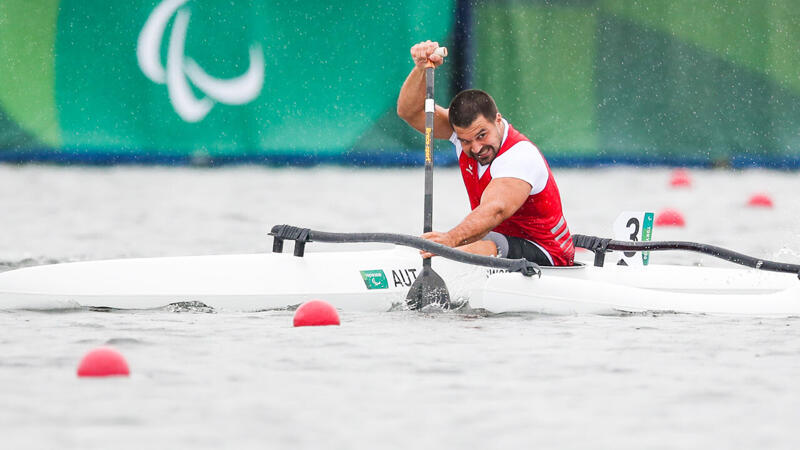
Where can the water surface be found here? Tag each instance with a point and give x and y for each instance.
(394, 379)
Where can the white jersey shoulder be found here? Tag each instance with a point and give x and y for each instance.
(457, 143)
(522, 161)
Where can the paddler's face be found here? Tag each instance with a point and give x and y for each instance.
(482, 138)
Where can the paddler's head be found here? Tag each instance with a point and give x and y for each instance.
(474, 117)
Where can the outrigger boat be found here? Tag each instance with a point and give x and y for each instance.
(379, 280)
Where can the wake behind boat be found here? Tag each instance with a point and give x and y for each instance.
(378, 280)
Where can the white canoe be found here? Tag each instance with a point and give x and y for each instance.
(378, 280)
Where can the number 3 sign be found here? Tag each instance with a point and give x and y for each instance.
(634, 226)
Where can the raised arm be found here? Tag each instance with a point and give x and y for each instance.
(411, 101)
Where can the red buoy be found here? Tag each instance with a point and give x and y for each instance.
(103, 362)
(760, 200)
(316, 313)
(670, 218)
(680, 178)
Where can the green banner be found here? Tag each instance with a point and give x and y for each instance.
(208, 78)
(623, 80)
(28, 114)
(591, 81)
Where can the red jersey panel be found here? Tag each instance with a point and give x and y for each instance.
(540, 219)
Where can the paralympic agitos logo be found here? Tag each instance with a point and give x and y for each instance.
(180, 69)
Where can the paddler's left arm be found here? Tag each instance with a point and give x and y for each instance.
(501, 199)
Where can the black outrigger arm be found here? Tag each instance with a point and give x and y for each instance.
(602, 245)
(280, 233)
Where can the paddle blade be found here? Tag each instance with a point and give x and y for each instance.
(428, 289)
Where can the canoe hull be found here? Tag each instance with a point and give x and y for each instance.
(378, 280)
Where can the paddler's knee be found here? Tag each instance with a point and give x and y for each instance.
(514, 248)
(499, 241)
(482, 247)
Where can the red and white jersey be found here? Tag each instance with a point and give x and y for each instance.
(540, 219)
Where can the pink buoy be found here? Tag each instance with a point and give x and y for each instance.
(760, 200)
(670, 218)
(316, 313)
(103, 362)
(680, 178)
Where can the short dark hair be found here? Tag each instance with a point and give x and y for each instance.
(465, 107)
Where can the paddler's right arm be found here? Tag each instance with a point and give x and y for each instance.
(411, 101)
(501, 199)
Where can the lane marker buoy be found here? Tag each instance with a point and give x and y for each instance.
(103, 362)
(316, 313)
(670, 217)
(680, 178)
(760, 200)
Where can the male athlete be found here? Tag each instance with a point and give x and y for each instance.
(516, 206)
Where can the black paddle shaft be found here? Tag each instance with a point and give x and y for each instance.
(429, 288)
(427, 219)
(429, 114)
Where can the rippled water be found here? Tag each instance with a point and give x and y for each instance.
(395, 379)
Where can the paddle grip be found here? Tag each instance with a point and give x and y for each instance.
(441, 51)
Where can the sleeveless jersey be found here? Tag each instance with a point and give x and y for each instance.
(540, 219)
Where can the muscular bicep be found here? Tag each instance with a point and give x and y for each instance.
(505, 196)
(441, 123)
